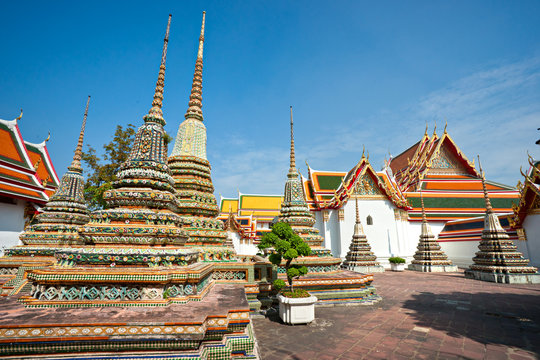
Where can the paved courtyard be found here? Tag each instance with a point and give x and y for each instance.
(421, 316)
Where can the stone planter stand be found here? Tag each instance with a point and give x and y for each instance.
(397, 267)
(297, 310)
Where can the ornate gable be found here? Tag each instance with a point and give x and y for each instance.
(445, 162)
(366, 186)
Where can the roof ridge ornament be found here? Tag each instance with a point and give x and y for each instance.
(20, 116)
(489, 208)
(155, 114)
(445, 125)
(195, 98)
(77, 156)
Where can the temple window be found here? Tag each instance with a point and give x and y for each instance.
(369, 220)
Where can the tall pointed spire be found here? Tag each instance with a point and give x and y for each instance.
(489, 208)
(76, 163)
(358, 230)
(425, 229)
(155, 113)
(292, 155)
(195, 99)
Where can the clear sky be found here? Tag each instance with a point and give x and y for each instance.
(355, 72)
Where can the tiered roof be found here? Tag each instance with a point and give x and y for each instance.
(451, 186)
(330, 190)
(26, 169)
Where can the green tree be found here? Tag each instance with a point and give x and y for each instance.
(101, 175)
(286, 246)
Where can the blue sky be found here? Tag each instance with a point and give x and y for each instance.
(357, 73)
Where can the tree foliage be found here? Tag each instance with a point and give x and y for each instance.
(287, 246)
(102, 171)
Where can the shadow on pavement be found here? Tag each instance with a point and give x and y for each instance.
(490, 318)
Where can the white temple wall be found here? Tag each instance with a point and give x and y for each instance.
(11, 223)
(242, 246)
(460, 252)
(334, 230)
(531, 247)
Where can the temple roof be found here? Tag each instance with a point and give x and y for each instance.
(26, 170)
(471, 229)
(331, 189)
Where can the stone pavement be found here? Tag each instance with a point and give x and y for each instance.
(421, 316)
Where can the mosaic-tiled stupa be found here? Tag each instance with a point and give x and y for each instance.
(360, 258)
(133, 259)
(498, 259)
(324, 279)
(429, 257)
(134, 253)
(191, 169)
(56, 226)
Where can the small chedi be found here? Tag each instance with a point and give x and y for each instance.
(360, 258)
(498, 259)
(55, 227)
(429, 257)
(191, 172)
(325, 280)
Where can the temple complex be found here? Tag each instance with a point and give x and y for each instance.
(498, 259)
(360, 258)
(56, 226)
(390, 204)
(429, 257)
(27, 180)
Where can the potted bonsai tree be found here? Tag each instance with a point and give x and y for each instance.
(397, 263)
(296, 306)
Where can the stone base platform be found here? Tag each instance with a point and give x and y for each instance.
(339, 288)
(366, 269)
(432, 268)
(218, 327)
(503, 278)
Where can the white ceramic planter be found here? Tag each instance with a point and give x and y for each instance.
(397, 267)
(297, 310)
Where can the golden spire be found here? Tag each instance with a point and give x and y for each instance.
(292, 155)
(155, 113)
(195, 99)
(76, 163)
(489, 209)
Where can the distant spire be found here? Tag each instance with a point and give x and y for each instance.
(155, 113)
(358, 230)
(424, 219)
(195, 99)
(76, 163)
(489, 208)
(292, 155)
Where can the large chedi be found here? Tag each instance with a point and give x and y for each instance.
(498, 259)
(295, 212)
(191, 170)
(142, 205)
(429, 257)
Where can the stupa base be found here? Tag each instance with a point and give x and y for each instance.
(432, 268)
(365, 269)
(503, 278)
(218, 327)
